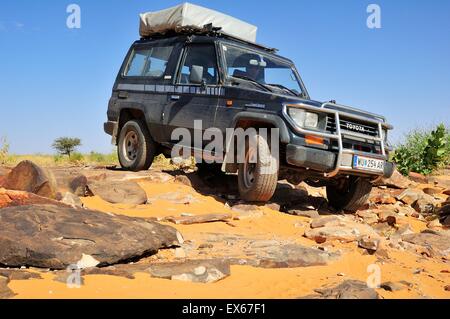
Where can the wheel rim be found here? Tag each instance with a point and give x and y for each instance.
(250, 168)
(131, 146)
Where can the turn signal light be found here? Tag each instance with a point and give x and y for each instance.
(314, 140)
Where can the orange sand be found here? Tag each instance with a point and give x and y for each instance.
(245, 281)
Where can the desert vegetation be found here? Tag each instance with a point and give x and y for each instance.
(424, 151)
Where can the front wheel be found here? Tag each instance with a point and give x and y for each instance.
(349, 194)
(136, 148)
(258, 175)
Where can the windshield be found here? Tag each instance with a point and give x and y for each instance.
(274, 74)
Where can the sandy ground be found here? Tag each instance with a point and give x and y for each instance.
(246, 281)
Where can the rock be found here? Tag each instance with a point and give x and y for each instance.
(396, 181)
(349, 289)
(327, 221)
(183, 179)
(71, 200)
(446, 192)
(199, 219)
(323, 234)
(5, 292)
(447, 288)
(383, 198)
(424, 206)
(159, 177)
(46, 236)
(18, 198)
(15, 274)
(368, 216)
(78, 185)
(337, 228)
(371, 244)
(410, 196)
(126, 192)
(436, 241)
(245, 208)
(292, 256)
(446, 221)
(434, 224)
(248, 215)
(441, 181)
(175, 198)
(304, 213)
(273, 206)
(418, 178)
(29, 177)
(433, 190)
(392, 286)
(386, 216)
(201, 271)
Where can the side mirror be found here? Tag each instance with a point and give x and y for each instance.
(196, 76)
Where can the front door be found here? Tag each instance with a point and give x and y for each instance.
(193, 103)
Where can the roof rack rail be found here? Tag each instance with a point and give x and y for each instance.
(207, 30)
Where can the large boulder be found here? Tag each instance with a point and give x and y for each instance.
(397, 180)
(47, 236)
(29, 177)
(119, 192)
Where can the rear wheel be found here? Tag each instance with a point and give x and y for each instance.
(350, 194)
(136, 148)
(258, 175)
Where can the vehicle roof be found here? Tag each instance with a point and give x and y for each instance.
(211, 38)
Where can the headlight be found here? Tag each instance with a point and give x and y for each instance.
(303, 118)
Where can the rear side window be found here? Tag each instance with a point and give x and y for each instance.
(149, 62)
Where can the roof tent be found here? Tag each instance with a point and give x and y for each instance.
(190, 16)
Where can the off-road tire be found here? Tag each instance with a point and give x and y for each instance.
(145, 147)
(265, 176)
(352, 195)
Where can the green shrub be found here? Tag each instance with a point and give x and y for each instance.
(76, 158)
(423, 151)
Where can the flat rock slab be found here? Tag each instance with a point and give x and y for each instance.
(16, 274)
(46, 236)
(5, 292)
(202, 271)
(439, 243)
(290, 256)
(29, 177)
(198, 219)
(349, 289)
(126, 192)
(18, 198)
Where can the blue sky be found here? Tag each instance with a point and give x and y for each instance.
(56, 81)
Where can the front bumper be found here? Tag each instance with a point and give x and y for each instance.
(325, 161)
(342, 160)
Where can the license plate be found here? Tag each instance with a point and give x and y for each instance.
(366, 163)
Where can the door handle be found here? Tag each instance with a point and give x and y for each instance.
(174, 97)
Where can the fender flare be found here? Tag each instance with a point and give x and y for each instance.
(272, 119)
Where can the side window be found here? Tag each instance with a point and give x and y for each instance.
(150, 62)
(202, 58)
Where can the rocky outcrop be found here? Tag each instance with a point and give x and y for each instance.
(18, 198)
(5, 292)
(55, 237)
(31, 178)
(125, 192)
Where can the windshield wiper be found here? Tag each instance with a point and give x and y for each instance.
(286, 89)
(243, 77)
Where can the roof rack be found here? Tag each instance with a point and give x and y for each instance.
(207, 30)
